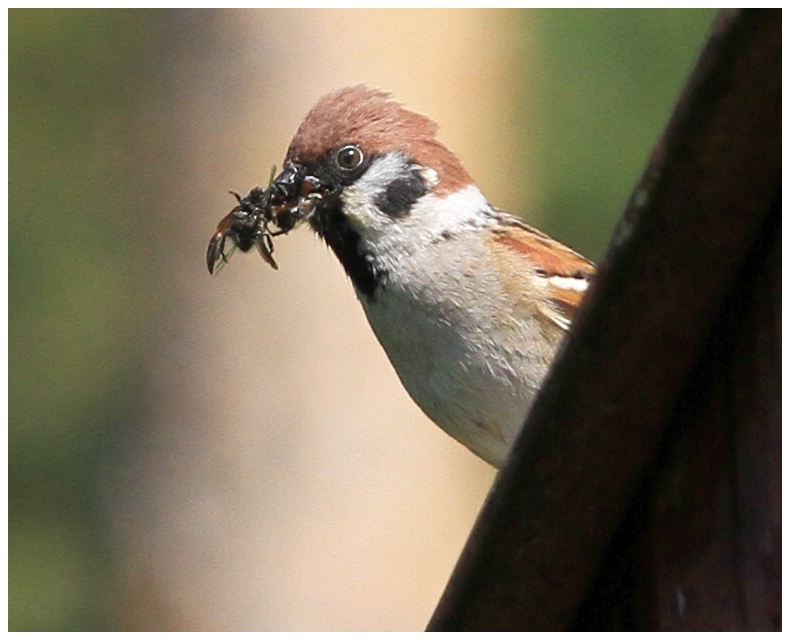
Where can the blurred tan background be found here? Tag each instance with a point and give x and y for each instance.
(236, 453)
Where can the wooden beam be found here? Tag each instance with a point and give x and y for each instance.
(587, 461)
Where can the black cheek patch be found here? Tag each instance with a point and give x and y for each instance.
(401, 194)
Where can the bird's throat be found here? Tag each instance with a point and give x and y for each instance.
(331, 225)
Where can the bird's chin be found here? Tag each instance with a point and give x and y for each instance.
(324, 216)
(329, 223)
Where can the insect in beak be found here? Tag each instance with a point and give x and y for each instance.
(245, 227)
(289, 199)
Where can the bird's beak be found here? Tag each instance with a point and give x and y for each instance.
(288, 185)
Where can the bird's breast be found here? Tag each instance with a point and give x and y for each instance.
(468, 354)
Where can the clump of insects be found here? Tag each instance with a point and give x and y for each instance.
(260, 216)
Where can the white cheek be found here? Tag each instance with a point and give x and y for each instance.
(389, 239)
(359, 198)
(382, 172)
(419, 235)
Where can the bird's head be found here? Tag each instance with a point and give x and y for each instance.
(373, 164)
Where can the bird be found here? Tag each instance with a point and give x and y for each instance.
(469, 302)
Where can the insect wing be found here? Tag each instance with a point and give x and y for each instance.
(265, 247)
(216, 255)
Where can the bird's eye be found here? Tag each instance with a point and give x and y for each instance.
(349, 157)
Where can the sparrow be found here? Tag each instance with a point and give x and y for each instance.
(469, 302)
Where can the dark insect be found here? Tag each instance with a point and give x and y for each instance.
(245, 227)
(288, 200)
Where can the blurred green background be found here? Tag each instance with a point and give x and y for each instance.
(94, 130)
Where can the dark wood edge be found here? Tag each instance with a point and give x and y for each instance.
(540, 538)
